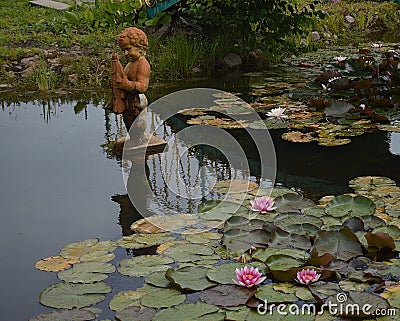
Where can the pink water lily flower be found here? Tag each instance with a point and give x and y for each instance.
(307, 276)
(248, 277)
(263, 204)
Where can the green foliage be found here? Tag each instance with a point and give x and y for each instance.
(45, 77)
(255, 24)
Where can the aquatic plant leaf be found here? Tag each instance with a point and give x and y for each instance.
(224, 273)
(287, 219)
(359, 299)
(269, 124)
(238, 239)
(389, 128)
(392, 230)
(338, 109)
(98, 256)
(201, 237)
(322, 290)
(125, 299)
(54, 263)
(160, 224)
(346, 205)
(222, 211)
(162, 298)
(263, 254)
(68, 296)
(298, 137)
(73, 276)
(66, 315)
(370, 182)
(291, 202)
(235, 186)
(267, 292)
(380, 240)
(331, 142)
(144, 265)
(161, 249)
(347, 285)
(342, 244)
(135, 313)
(97, 267)
(188, 252)
(227, 295)
(271, 192)
(158, 279)
(190, 278)
(138, 241)
(78, 249)
(184, 312)
(281, 240)
(283, 267)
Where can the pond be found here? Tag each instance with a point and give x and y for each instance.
(58, 185)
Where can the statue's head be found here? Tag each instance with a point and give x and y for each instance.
(135, 37)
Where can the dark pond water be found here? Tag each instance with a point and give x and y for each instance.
(58, 185)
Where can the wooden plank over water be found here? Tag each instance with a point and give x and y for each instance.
(50, 4)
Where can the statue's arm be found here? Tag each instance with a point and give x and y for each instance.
(142, 78)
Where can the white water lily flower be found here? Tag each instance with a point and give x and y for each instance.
(376, 45)
(278, 113)
(340, 58)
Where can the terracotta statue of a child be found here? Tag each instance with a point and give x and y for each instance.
(130, 83)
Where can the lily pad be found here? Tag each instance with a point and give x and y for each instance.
(66, 315)
(346, 205)
(138, 241)
(283, 267)
(68, 296)
(189, 311)
(188, 252)
(189, 278)
(227, 295)
(292, 203)
(135, 313)
(73, 276)
(234, 186)
(78, 249)
(298, 137)
(267, 292)
(98, 256)
(288, 219)
(217, 210)
(268, 124)
(162, 298)
(55, 263)
(242, 240)
(342, 244)
(331, 141)
(158, 279)
(125, 299)
(202, 237)
(263, 254)
(144, 265)
(160, 224)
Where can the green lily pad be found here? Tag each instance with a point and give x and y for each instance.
(242, 240)
(73, 276)
(283, 267)
(97, 256)
(224, 273)
(268, 124)
(68, 296)
(158, 279)
(202, 237)
(65, 315)
(298, 137)
(332, 142)
(292, 203)
(267, 292)
(370, 182)
(263, 254)
(342, 244)
(162, 298)
(78, 249)
(191, 278)
(294, 219)
(235, 186)
(280, 239)
(184, 312)
(125, 299)
(138, 241)
(271, 192)
(227, 295)
(338, 109)
(135, 313)
(344, 205)
(188, 252)
(347, 285)
(144, 265)
(218, 210)
(160, 224)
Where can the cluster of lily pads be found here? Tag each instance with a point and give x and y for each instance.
(229, 259)
(328, 102)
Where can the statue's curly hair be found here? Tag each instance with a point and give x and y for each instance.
(136, 37)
